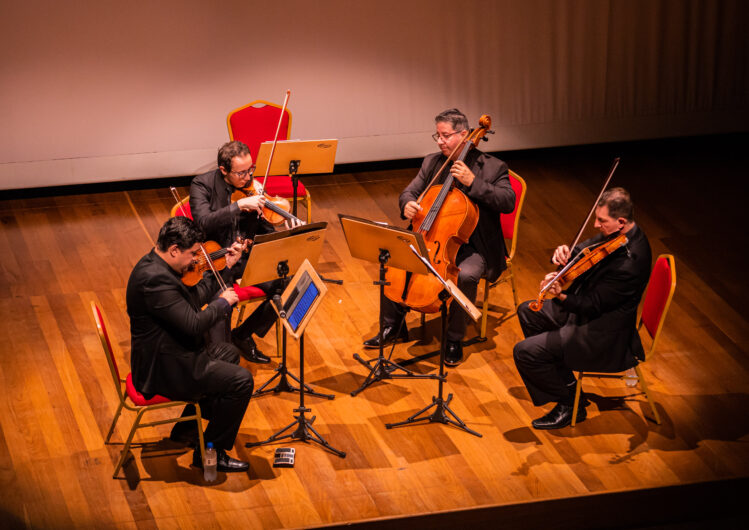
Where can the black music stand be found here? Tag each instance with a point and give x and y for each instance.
(295, 308)
(380, 242)
(297, 157)
(442, 406)
(293, 247)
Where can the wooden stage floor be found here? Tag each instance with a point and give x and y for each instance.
(60, 252)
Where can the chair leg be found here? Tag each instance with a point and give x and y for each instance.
(484, 310)
(126, 449)
(240, 315)
(514, 287)
(114, 422)
(647, 394)
(308, 205)
(578, 388)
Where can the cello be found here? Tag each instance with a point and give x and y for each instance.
(446, 221)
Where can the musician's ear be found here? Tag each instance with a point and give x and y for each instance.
(621, 221)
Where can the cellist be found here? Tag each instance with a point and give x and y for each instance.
(484, 180)
(590, 325)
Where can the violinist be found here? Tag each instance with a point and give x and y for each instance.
(484, 180)
(225, 221)
(169, 355)
(590, 325)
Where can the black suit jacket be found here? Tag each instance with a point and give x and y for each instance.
(220, 219)
(491, 191)
(167, 327)
(600, 335)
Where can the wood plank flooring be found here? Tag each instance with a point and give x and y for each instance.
(61, 252)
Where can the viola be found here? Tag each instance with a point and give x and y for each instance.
(205, 261)
(217, 255)
(588, 258)
(446, 220)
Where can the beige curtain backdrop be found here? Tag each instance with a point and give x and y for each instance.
(110, 90)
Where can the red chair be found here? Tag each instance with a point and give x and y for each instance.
(256, 123)
(656, 303)
(140, 404)
(510, 223)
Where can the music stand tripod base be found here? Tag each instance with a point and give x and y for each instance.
(441, 405)
(304, 432)
(384, 368)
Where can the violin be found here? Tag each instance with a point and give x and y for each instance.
(583, 262)
(446, 220)
(588, 257)
(276, 209)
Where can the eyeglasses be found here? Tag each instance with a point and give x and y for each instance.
(243, 174)
(445, 137)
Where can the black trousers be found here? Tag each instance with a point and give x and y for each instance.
(258, 323)
(226, 391)
(472, 269)
(540, 357)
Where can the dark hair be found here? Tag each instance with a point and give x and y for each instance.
(618, 202)
(454, 117)
(180, 231)
(229, 150)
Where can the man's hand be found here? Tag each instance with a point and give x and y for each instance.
(254, 203)
(461, 173)
(230, 296)
(411, 209)
(561, 255)
(555, 289)
(234, 252)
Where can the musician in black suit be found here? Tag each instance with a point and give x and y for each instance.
(225, 221)
(484, 180)
(169, 355)
(590, 326)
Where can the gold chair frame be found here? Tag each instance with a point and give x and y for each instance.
(654, 341)
(140, 410)
(509, 274)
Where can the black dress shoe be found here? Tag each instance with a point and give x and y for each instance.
(224, 462)
(388, 337)
(454, 353)
(249, 350)
(560, 416)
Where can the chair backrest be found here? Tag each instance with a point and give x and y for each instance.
(182, 208)
(107, 347)
(658, 296)
(510, 221)
(256, 123)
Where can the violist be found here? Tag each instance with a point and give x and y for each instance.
(484, 180)
(169, 354)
